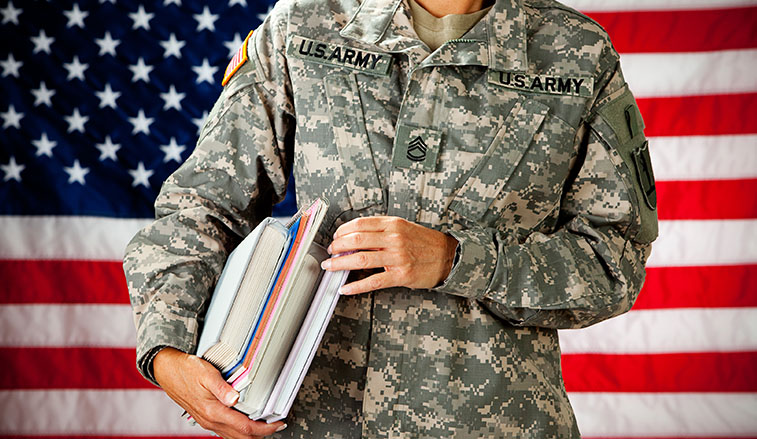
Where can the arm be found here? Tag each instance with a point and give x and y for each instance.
(589, 269)
(592, 267)
(236, 173)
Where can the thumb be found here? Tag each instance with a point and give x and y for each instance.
(221, 389)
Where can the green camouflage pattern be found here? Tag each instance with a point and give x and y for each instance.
(531, 180)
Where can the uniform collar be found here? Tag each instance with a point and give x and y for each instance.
(387, 25)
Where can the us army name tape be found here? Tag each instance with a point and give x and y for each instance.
(558, 85)
(374, 63)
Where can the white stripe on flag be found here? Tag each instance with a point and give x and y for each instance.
(69, 237)
(704, 157)
(686, 74)
(706, 242)
(665, 414)
(151, 413)
(60, 237)
(91, 413)
(718, 242)
(653, 5)
(667, 331)
(67, 325)
(643, 331)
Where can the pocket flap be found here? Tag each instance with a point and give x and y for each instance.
(499, 160)
(348, 124)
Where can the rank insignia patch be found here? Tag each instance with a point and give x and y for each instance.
(236, 62)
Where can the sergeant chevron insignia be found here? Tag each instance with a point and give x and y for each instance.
(416, 150)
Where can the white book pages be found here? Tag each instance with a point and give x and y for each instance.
(285, 324)
(229, 282)
(252, 291)
(304, 348)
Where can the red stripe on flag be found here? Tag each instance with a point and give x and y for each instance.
(689, 372)
(700, 115)
(680, 31)
(699, 287)
(62, 281)
(70, 368)
(713, 199)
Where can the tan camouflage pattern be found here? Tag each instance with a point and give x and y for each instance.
(531, 183)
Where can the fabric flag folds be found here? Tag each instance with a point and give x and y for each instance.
(101, 100)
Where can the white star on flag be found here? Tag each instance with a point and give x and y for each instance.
(76, 173)
(172, 46)
(108, 149)
(141, 175)
(141, 71)
(10, 66)
(75, 16)
(108, 97)
(43, 95)
(205, 72)
(107, 44)
(11, 118)
(12, 170)
(200, 121)
(44, 146)
(262, 17)
(76, 121)
(238, 2)
(75, 69)
(175, 2)
(172, 98)
(10, 14)
(141, 18)
(141, 123)
(234, 44)
(42, 42)
(172, 151)
(206, 20)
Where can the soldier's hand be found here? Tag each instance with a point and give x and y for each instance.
(198, 387)
(411, 255)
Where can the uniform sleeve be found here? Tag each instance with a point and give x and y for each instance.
(592, 266)
(236, 173)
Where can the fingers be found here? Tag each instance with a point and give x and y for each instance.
(361, 240)
(359, 261)
(371, 283)
(198, 387)
(219, 388)
(233, 424)
(370, 224)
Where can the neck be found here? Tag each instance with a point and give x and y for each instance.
(440, 8)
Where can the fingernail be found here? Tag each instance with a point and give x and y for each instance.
(345, 290)
(231, 398)
(329, 249)
(326, 264)
(281, 428)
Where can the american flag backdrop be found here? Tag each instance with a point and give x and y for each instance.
(101, 100)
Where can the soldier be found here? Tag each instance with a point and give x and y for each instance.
(492, 172)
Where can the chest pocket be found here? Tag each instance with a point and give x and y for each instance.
(493, 171)
(348, 125)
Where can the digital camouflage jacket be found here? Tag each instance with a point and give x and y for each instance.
(520, 139)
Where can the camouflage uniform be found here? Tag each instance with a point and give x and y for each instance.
(520, 139)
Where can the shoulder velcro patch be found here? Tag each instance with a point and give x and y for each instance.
(237, 61)
(624, 119)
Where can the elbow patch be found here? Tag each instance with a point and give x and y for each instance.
(623, 129)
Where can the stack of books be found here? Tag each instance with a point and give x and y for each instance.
(269, 311)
